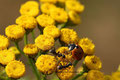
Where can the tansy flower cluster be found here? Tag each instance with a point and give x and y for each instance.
(52, 18)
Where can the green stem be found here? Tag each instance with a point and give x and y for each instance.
(75, 63)
(62, 25)
(25, 39)
(78, 75)
(30, 61)
(33, 35)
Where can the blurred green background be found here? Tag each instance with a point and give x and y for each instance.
(100, 22)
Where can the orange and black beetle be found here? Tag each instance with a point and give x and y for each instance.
(76, 51)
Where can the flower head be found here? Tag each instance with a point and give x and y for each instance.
(14, 32)
(65, 73)
(6, 56)
(108, 77)
(95, 75)
(45, 20)
(44, 42)
(87, 46)
(74, 5)
(68, 36)
(68, 55)
(30, 8)
(51, 31)
(14, 50)
(59, 14)
(48, 1)
(93, 62)
(30, 49)
(116, 76)
(74, 17)
(4, 42)
(46, 64)
(15, 69)
(46, 7)
(26, 21)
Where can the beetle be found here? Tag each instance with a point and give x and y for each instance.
(76, 51)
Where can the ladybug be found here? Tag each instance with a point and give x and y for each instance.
(76, 51)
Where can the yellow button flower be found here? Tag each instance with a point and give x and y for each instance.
(45, 20)
(68, 55)
(49, 1)
(108, 77)
(14, 50)
(95, 75)
(26, 21)
(93, 62)
(68, 36)
(74, 5)
(15, 69)
(44, 42)
(46, 7)
(30, 8)
(46, 64)
(30, 49)
(14, 32)
(59, 14)
(74, 17)
(87, 46)
(65, 73)
(51, 31)
(4, 42)
(116, 76)
(6, 57)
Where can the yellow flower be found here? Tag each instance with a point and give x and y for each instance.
(14, 32)
(74, 5)
(44, 42)
(46, 7)
(51, 31)
(74, 17)
(93, 62)
(95, 75)
(15, 69)
(108, 77)
(49, 1)
(4, 42)
(30, 8)
(30, 49)
(14, 50)
(65, 73)
(6, 56)
(116, 76)
(68, 56)
(26, 21)
(68, 36)
(87, 46)
(59, 14)
(46, 64)
(45, 20)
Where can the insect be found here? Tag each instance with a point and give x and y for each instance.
(57, 53)
(76, 51)
(61, 67)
